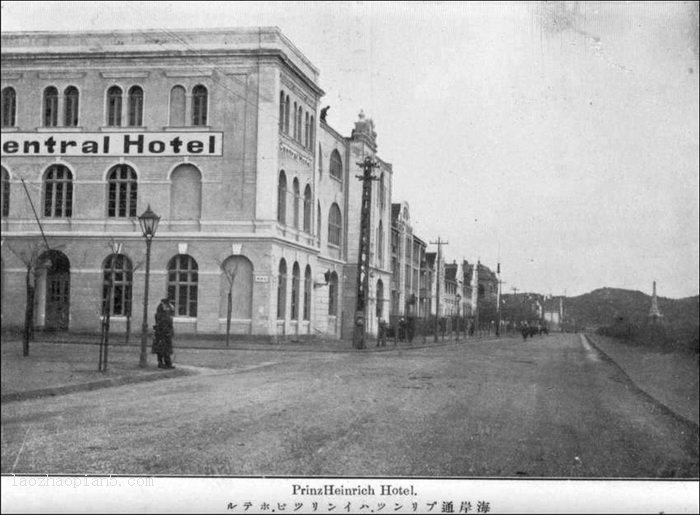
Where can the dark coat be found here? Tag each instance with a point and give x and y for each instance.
(163, 340)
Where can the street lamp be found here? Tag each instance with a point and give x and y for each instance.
(149, 223)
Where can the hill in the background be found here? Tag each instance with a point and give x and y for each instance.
(606, 306)
(625, 313)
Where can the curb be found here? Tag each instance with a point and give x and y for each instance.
(93, 385)
(294, 347)
(662, 407)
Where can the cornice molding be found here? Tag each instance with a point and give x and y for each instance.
(62, 75)
(125, 74)
(189, 73)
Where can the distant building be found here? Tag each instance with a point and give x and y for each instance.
(554, 312)
(431, 272)
(408, 261)
(453, 291)
(523, 307)
(480, 292)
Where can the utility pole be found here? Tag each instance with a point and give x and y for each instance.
(439, 244)
(360, 325)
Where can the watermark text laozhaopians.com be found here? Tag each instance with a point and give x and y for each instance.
(81, 481)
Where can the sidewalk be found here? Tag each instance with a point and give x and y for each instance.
(58, 368)
(63, 363)
(669, 378)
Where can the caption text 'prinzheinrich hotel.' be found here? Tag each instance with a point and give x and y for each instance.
(219, 131)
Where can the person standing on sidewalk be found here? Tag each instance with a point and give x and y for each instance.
(163, 341)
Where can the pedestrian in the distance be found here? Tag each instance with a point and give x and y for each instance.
(163, 340)
(525, 330)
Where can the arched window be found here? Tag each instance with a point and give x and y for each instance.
(9, 107)
(282, 290)
(135, 106)
(236, 287)
(114, 106)
(5, 197)
(308, 286)
(296, 113)
(282, 198)
(183, 277)
(380, 298)
(297, 195)
(306, 130)
(178, 100)
(300, 122)
(71, 106)
(333, 294)
(307, 209)
(380, 245)
(199, 105)
(286, 116)
(50, 107)
(382, 192)
(311, 133)
(295, 291)
(336, 169)
(186, 193)
(281, 111)
(335, 225)
(58, 192)
(122, 190)
(117, 272)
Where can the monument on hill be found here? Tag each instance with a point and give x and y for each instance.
(654, 313)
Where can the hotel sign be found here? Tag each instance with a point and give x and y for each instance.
(112, 144)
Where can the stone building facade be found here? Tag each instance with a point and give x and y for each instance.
(479, 292)
(218, 132)
(452, 297)
(409, 279)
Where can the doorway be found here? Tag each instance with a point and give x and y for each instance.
(57, 290)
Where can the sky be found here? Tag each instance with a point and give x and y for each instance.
(560, 139)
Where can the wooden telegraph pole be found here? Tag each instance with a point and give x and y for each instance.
(360, 322)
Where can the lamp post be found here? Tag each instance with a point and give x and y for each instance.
(149, 223)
